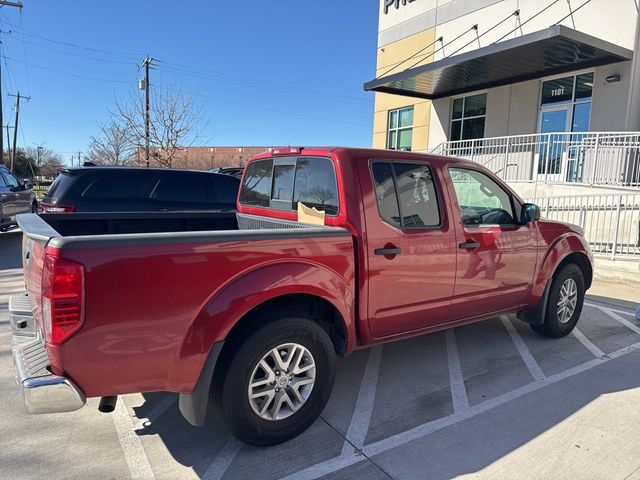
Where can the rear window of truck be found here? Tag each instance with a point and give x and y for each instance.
(283, 182)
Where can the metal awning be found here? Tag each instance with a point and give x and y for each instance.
(552, 51)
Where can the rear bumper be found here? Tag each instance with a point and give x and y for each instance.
(43, 392)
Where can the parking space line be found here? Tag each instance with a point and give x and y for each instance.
(459, 397)
(623, 321)
(523, 350)
(343, 461)
(134, 454)
(223, 460)
(357, 431)
(624, 312)
(592, 347)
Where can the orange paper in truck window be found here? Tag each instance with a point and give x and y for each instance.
(310, 215)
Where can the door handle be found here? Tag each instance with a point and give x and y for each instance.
(469, 245)
(387, 251)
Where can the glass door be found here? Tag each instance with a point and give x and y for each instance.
(554, 121)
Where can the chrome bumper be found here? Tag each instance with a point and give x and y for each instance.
(43, 392)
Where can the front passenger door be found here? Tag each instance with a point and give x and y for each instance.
(497, 254)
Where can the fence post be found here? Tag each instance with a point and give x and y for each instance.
(617, 229)
(506, 158)
(595, 160)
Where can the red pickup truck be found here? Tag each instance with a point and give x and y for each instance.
(250, 309)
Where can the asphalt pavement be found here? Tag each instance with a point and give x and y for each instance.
(484, 401)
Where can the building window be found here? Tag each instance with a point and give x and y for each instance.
(468, 117)
(400, 129)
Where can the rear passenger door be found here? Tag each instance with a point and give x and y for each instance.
(176, 190)
(410, 248)
(106, 191)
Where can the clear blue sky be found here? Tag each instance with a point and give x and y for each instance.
(265, 72)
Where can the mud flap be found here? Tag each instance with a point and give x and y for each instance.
(193, 406)
(537, 315)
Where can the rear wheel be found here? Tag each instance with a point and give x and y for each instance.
(276, 384)
(564, 304)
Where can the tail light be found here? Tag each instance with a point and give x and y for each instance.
(50, 208)
(62, 297)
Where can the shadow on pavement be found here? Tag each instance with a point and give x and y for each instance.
(495, 428)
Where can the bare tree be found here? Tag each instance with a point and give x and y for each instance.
(174, 122)
(45, 162)
(114, 146)
(51, 166)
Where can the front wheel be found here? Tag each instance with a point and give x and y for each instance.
(276, 384)
(564, 304)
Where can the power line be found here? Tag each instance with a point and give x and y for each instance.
(69, 73)
(77, 55)
(260, 81)
(24, 53)
(69, 44)
(282, 88)
(284, 112)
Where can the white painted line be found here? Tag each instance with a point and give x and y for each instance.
(458, 390)
(600, 307)
(592, 347)
(357, 431)
(324, 468)
(623, 321)
(156, 412)
(523, 350)
(134, 453)
(223, 460)
(342, 461)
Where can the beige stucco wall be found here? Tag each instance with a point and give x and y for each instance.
(388, 57)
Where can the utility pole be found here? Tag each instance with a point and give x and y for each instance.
(15, 127)
(4, 4)
(147, 63)
(79, 159)
(7, 126)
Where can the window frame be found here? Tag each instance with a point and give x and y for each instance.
(516, 207)
(436, 187)
(398, 129)
(288, 205)
(7, 175)
(472, 117)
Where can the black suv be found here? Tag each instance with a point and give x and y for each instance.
(128, 189)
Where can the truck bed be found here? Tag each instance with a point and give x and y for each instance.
(161, 288)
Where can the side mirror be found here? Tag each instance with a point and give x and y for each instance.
(27, 184)
(530, 213)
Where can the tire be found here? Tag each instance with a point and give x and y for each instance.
(558, 322)
(231, 387)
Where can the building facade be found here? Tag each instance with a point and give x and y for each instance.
(460, 70)
(203, 158)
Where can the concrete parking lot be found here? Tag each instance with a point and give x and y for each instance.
(490, 400)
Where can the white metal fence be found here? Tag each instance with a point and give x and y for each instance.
(611, 223)
(593, 158)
